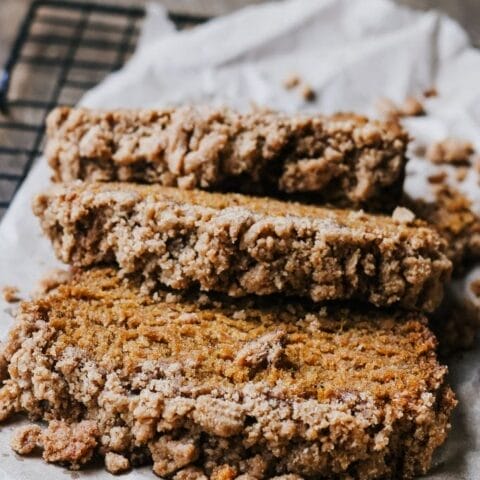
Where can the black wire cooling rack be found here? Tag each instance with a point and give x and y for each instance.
(62, 49)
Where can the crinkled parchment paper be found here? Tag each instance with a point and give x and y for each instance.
(351, 52)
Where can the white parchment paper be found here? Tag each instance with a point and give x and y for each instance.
(351, 52)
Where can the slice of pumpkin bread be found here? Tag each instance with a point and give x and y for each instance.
(245, 245)
(344, 159)
(203, 386)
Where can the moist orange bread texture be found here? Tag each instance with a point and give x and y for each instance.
(343, 159)
(245, 245)
(205, 387)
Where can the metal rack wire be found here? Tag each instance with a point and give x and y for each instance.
(62, 49)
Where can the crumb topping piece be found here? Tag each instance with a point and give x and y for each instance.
(388, 109)
(291, 81)
(52, 280)
(451, 150)
(26, 439)
(308, 93)
(10, 294)
(452, 215)
(72, 444)
(430, 92)
(412, 107)
(115, 463)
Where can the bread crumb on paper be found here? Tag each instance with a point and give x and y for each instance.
(388, 109)
(26, 439)
(454, 218)
(412, 107)
(461, 173)
(403, 215)
(419, 150)
(308, 93)
(294, 81)
(430, 92)
(10, 294)
(116, 463)
(451, 150)
(437, 177)
(476, 161)
(291, 81)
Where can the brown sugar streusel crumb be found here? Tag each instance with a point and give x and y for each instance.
(113, 370)
(388, 109)
(430, 92)
(10, 294)
(451, 150)
(26, 439)
(308, 93)
(475, 287)
(291, 81)
(70, 443)
(452, 215)
(116, 463)
(461, 173)
(456, 324)
(437, 177)
(412, 107)
(52, 280)
(245, 245)
(344, 159)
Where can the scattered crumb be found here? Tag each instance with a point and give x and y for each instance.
(388, 109)
(438, 177)
(412, 107)
(476, 161)
(25, 439)
(260, 109)
(291, 81)
(10, 294)
(264, 351)
(225, 472)
(452, 215)
(73, 444)
(3, 363)
(403, 215)
(475, 287)
(308, 93)
(169, 455)
(52, 280)
(116, 463)
(461, 173)
(430, 92)
(420, 150)
(450, 150)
